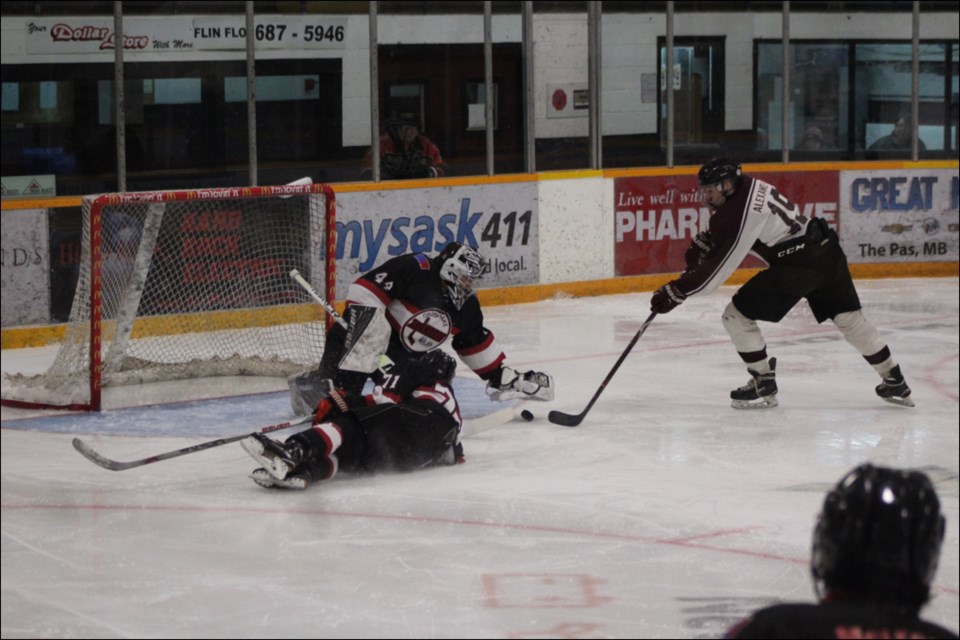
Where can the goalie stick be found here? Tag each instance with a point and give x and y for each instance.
(470, 428)
(572, 420)
(313, 294)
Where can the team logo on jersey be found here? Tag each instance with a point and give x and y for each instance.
(425, 330)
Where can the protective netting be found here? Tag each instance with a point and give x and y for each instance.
(178, 285)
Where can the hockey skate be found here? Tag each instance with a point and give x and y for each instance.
(278, 459)
(295, 481)
(894, 388)
(760, 392)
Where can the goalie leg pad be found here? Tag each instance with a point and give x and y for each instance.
(368, 336)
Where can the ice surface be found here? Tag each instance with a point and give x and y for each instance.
(664, 514)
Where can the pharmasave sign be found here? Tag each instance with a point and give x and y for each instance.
(905, 215)
(655, 218)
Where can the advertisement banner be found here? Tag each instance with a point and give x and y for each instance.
(900, 215)
(500, 221)
(656, 217)
(25, 283)
(93, 34)
(39, 186)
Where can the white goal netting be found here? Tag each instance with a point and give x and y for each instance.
(190, 284)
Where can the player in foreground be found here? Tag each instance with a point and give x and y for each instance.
(876, 546)
(408, 306)
(410, 421)
(805, 261)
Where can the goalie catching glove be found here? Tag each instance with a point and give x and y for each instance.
(527, 385)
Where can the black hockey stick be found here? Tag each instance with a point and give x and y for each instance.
(114, 465)
(571, 420)
(470, 428)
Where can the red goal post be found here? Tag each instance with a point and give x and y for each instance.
(189, 284)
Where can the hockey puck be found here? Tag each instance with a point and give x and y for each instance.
(526, 415)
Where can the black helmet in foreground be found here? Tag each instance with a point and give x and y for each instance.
(879, 537)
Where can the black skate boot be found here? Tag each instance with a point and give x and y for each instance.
(894, 388)
(278, 459)
(296, 480)
(759, 393)
(308, 472)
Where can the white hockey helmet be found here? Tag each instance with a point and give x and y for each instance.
(460, 266)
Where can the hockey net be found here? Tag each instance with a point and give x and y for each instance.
(189, 284)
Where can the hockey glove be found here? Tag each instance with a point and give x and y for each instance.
(528, 385)
(666, 298)
(699, 247)
(334, 404)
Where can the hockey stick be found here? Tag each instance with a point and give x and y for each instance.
(313, 294)
(114, 465)
(571, 420)
(489, 421)
(470, 428)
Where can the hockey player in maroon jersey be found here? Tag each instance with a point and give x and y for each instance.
(410, 421)
(876, 546)
(805, 261)
(425, 301)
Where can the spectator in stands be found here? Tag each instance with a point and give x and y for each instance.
(812, 139)
(405, 153)
(900, 138)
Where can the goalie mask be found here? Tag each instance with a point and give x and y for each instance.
(460, 266)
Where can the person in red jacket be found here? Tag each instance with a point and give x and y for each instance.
(405, 153)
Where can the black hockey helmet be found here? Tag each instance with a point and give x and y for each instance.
(443, 364)
(879, 536)
(459, 266)
(718, 170)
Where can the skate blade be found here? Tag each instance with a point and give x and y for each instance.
(766, 402)
(903, 402)
(274, 466)
(263, 478)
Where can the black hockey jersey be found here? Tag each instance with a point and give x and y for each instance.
(421, 315)
(835, 620)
